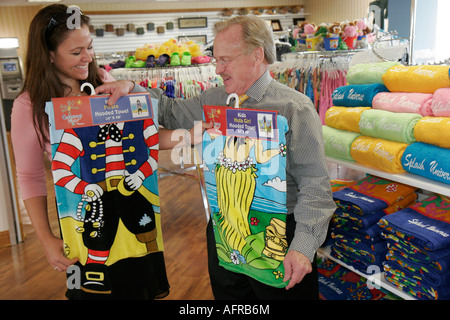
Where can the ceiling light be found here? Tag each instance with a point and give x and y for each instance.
(7, 43)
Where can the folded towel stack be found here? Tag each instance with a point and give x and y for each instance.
(339, 283)
(418, 240)
(408, 109)
(355, 235)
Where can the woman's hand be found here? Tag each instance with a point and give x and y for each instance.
(54, 250)
(196, 132)
(116, 89)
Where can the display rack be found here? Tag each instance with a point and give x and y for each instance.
(405, 178)
(422, 183)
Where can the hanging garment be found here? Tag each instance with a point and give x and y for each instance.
(104, 162)
(245, 174)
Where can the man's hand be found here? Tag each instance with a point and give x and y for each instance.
(296, 266)
(117, 89)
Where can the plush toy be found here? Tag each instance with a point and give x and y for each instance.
(361, 26)
(321, 31)
(334, 30)
(350, 31)
(309, 29)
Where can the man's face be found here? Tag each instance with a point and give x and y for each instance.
(237, 68)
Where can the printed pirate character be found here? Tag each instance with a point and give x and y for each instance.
(107, 165)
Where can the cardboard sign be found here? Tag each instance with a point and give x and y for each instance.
(85, 111)
(246, 123)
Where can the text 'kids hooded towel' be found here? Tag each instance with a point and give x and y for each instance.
(244, 157)
(105, 175)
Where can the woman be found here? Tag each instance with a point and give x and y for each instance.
(60, 58)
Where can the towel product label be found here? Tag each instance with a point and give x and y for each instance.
(244, 159)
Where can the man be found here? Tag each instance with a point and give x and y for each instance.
(243, 50)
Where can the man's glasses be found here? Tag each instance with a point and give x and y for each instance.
(224, 61)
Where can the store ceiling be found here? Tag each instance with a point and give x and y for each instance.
(69, 2)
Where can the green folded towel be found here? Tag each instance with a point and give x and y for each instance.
(388, 125)
(338, 142)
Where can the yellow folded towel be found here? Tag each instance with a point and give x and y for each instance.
(433, 130)
(379, 153)
(344, 118)
(425, 79)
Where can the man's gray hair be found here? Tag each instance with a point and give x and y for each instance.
(256, 33)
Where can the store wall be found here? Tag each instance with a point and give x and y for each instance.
(336, 10)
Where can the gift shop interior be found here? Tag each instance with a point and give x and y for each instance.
(380, 85)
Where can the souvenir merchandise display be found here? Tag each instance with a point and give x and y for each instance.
(399, 132)
(355, 235)
(169, 53)
(346, 35)
(418, 259)
(392, 120)
(338, 283)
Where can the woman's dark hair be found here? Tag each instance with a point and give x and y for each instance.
(48, 29)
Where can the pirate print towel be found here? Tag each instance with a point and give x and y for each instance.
(104, 165)
(244, 158)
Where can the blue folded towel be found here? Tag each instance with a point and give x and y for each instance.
(362, 263)
(426, 232)
(439, 260)
(427, 160)
(358, 202)
(422, 290)
(357, 95)
(419, 271)
(361, 221)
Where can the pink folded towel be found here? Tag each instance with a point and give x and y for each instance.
(406, 102)
(440, 104)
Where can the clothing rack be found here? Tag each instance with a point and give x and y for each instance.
(176, 81)
(315, 73)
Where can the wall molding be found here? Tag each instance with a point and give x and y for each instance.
(4, 239)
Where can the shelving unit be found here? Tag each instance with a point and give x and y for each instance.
(405, 178)
(426, 185)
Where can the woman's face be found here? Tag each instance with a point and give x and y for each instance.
(72, 57)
